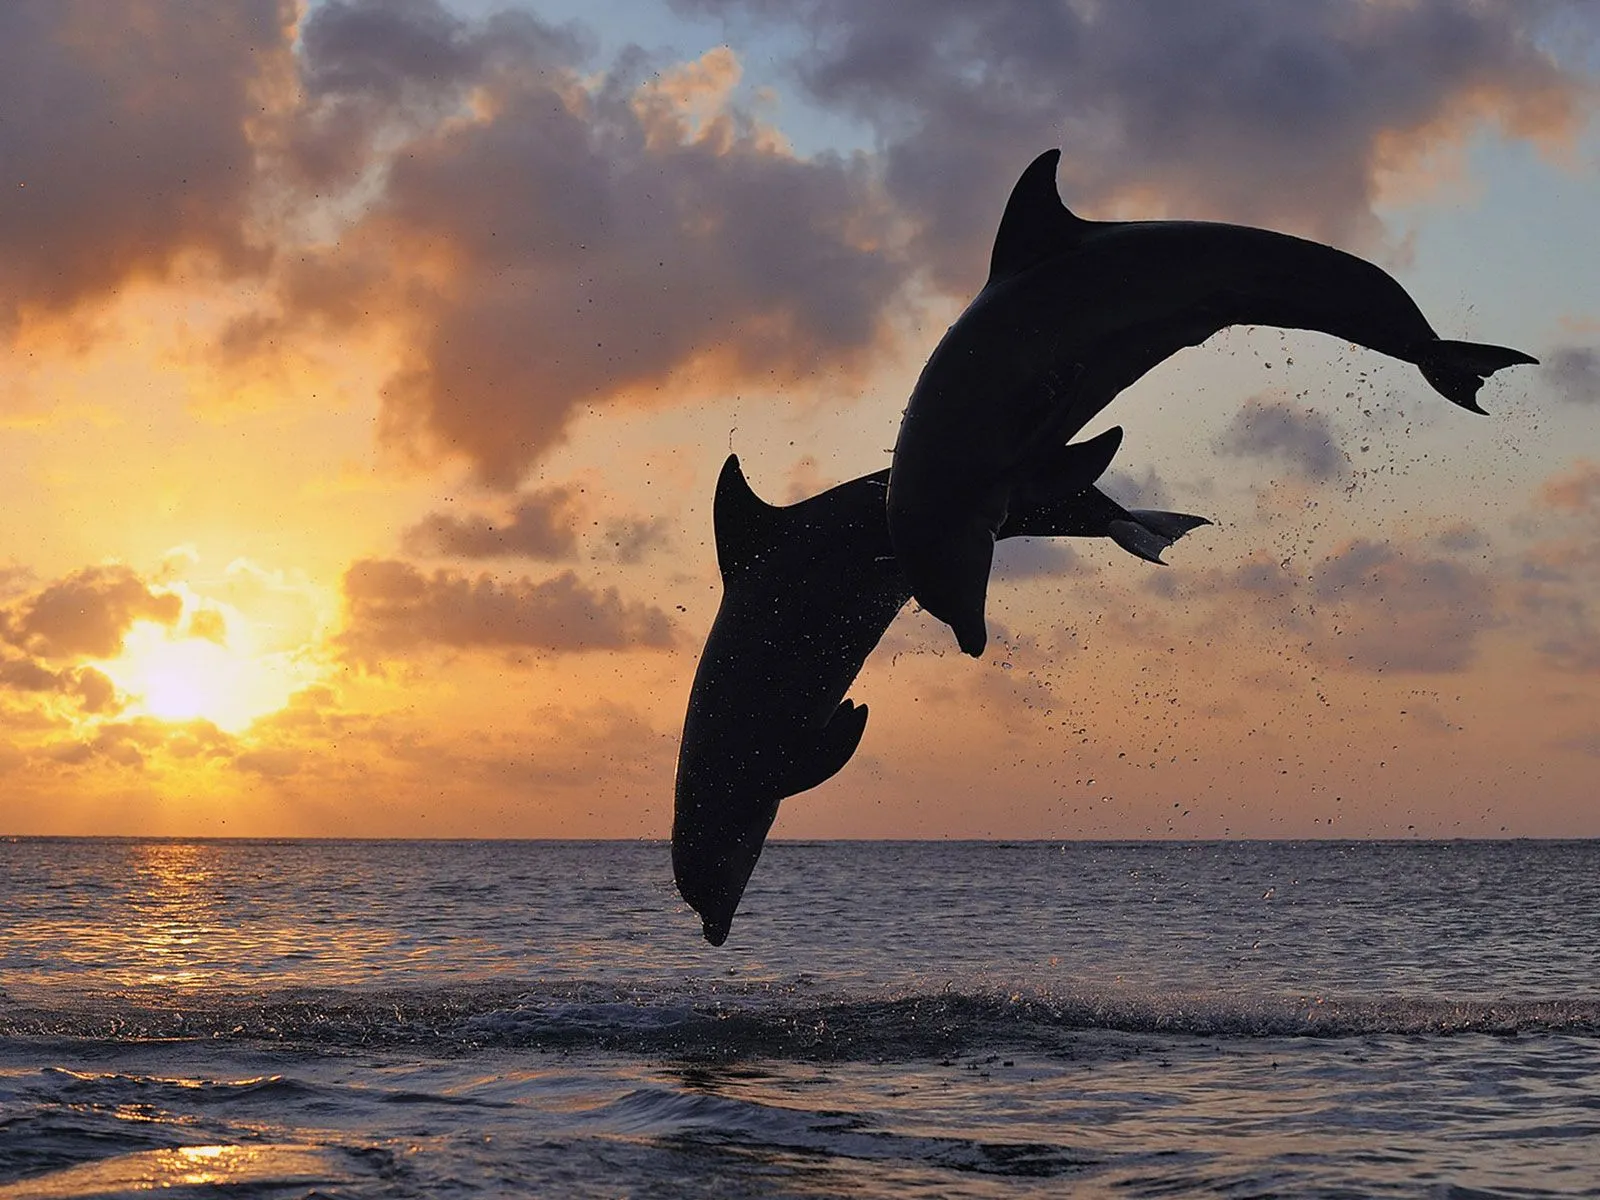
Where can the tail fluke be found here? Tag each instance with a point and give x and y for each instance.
(1147, 532)
(1457, 369)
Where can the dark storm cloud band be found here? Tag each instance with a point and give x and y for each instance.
(542, 236)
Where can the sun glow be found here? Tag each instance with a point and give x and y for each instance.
(173, 677)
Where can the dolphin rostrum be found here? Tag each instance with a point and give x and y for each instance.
(808, 590)
(1073, 312)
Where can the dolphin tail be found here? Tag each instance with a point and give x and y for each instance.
(1457, 369)
(1147, 532)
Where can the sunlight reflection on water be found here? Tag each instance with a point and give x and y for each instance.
(200, 1167)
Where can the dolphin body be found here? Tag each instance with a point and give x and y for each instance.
(1073, 312)
(808, 591)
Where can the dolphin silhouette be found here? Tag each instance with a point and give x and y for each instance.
(1073, 312)
(808, 591)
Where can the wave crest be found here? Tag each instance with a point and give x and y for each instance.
(730, 1021)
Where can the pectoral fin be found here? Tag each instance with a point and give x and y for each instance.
(835, 744)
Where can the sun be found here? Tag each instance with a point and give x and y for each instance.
(185, 677)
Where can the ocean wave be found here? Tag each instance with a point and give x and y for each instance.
(667, 1113)
(753, 1021)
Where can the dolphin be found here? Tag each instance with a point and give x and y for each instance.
(1072, 313)
(808, 591)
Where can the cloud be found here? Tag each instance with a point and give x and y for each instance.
(1303, 441)
(1401, 609)
(1576, 490)
(1573, 372)
(1462, 537)
(127, 141)
(1134, 491)
(539, 234)
(275, 762)
(1254, 111)
(1558, 574)
(548, 238)
(131, 744)
(90, 688)
(86, 615)
(1017, 559)
(539, 526)
(392, 607)
(631, 538)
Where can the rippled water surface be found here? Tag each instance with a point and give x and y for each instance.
(937, 1019)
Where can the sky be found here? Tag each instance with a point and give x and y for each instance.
(368, 367)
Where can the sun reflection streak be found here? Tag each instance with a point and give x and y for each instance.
(270, 1166)
(175, 909)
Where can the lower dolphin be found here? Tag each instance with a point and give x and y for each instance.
(808, 591)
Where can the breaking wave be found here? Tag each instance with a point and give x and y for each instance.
(755, 1021)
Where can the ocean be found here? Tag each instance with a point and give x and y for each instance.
(922, 1019)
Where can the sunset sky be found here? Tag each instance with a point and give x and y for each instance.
(368, 368)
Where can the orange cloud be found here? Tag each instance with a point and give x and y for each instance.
(127, 143)
(393, 608)
(87, 614)
(1401, 609)
(549, 242)
(538, 526)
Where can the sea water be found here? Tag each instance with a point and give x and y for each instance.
(939, 1019)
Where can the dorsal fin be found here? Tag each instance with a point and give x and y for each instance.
(743, 523)
(1061, 472)
(1035, 224)
(1086, 461)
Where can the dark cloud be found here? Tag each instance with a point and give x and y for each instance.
(392, 607)
(1462, 537)
(539, 526)
(25, 675)
(1255, 111)
(368, 68)
(1017, 559)
(1574, 373)
(1301, 440)
(581, 239)
(89, 687)
(85, 615)
(631, 538)
(1584, 743)
(1565, 626)
(1136, 491)
(126, 140)
(1401, 609)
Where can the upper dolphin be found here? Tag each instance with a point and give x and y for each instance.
(1073, 312)
(808, 590)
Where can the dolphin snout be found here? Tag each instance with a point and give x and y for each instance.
(947, 566)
